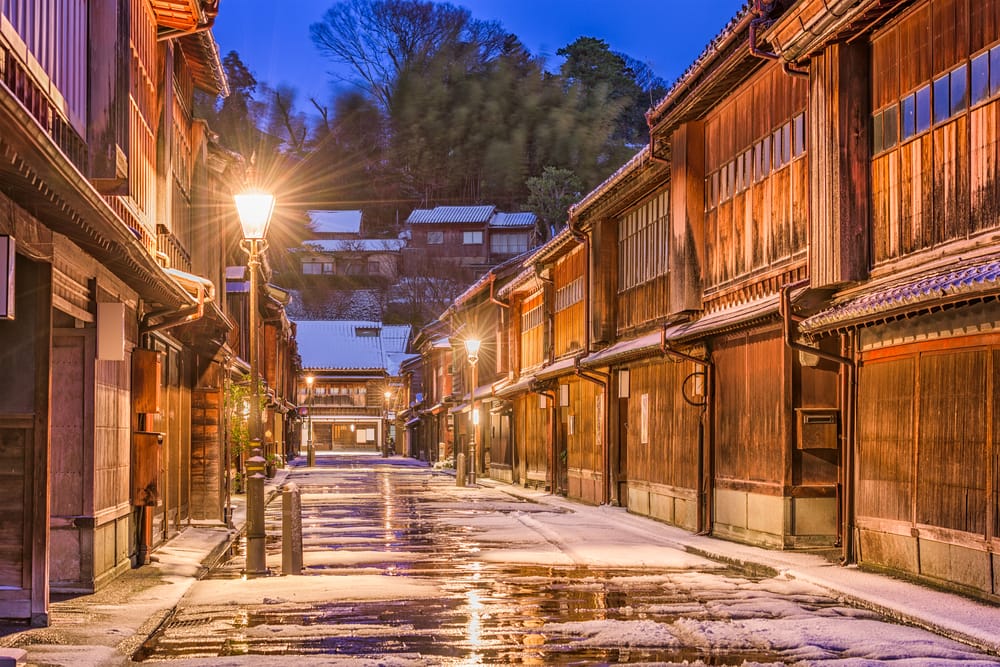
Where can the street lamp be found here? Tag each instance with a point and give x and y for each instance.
(385, 440)
(472, 350)
(310, 447)
(255, 210)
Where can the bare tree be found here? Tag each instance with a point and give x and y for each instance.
(380, 39)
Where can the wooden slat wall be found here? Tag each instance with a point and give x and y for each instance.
(585, 450)
(568, 322)
(15, 447)
(885, 439)
(671, 456)
(533, 339)
(532, 436)
(927, 424)
(766, 223)
(749, 420)
(940, 185)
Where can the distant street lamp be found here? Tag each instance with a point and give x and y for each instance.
(310, 447)
(255, 210)
(385, 439)
(472, 350)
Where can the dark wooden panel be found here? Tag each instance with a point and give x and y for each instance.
(984, 176)
(13, 450)
(146, 371)
(885, 439)
(750, 439)
(951, 477)
(687, 217)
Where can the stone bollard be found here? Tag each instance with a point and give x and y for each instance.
(291, 529)
(256, 559)
(460, 470)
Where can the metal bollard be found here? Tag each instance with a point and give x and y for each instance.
(291, 529)
(460, 470)
(256, 555)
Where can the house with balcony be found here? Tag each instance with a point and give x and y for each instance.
(355, 394)
(116, 215)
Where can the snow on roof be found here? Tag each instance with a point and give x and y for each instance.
(357, 245)
(351, 345)
(446, 214)
(516, 220)
(335, 222)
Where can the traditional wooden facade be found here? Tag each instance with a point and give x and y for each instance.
(119, 207)
(430, 422)
(914, 307)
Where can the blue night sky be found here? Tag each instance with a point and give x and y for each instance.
(273, 37)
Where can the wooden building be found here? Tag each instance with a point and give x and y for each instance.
(430, 421)
(117, 208)
(906, 238)
(356, 389)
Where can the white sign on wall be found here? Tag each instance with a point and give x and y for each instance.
(6, 277)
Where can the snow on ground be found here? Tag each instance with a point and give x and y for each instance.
(312, 589)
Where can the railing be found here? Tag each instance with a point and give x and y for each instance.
(42, 98)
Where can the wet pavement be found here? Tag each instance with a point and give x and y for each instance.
(403, 565)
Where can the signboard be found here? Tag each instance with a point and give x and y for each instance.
(6, 277)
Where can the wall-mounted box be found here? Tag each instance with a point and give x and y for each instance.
(817, 428)
(111, 331)
(145, 468)
(146, 371)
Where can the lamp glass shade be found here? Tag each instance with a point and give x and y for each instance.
(255, 210)
(309, 380)
(387, 395)
(472, 346)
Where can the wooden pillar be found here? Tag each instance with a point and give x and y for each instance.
(687, 216)
(839, 164)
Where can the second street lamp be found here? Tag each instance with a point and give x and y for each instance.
(472, 351)
(310, 447)
(385, 438)
(255, 210)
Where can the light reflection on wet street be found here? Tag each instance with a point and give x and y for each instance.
(456, 599)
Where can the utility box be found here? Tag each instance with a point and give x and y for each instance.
(145, 467)
(147, 367)
(817, 428)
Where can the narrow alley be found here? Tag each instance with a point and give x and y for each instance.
(403, 567)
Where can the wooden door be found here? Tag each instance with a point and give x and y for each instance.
(72, 460)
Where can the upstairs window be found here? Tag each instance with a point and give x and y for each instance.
(472, 238)
(435, 238)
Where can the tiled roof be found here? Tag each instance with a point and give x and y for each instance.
(335, 222)
(446, 214)
(356, 245)
(342, 345)
(879, 303)
(515, 220)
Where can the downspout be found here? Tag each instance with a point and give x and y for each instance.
(603, 380)
(763, 22)
(706, 464)
(205, 293)
(845, 504)
(553, 481)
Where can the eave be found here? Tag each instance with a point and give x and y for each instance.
(42, 179)
(809, 25)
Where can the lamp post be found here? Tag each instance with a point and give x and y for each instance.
(472, 350)
(385, 438)
(310, 447)
(255, 210)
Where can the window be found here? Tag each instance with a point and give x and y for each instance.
(643, 242)
(373, 266)
(779, 152)
(942, 107)
(980, 77)
(531, 318)
(885, 129)
(959, 90)
(907, 117)
(508, 244)
(312, 268)
(985, 77)
(569, 294)
(435, 238)
(328, 268)
(798, 135)
(923, 104)
(472, 238)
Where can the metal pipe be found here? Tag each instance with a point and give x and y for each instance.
(603, 380)
(704, 485)
(786, 318)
